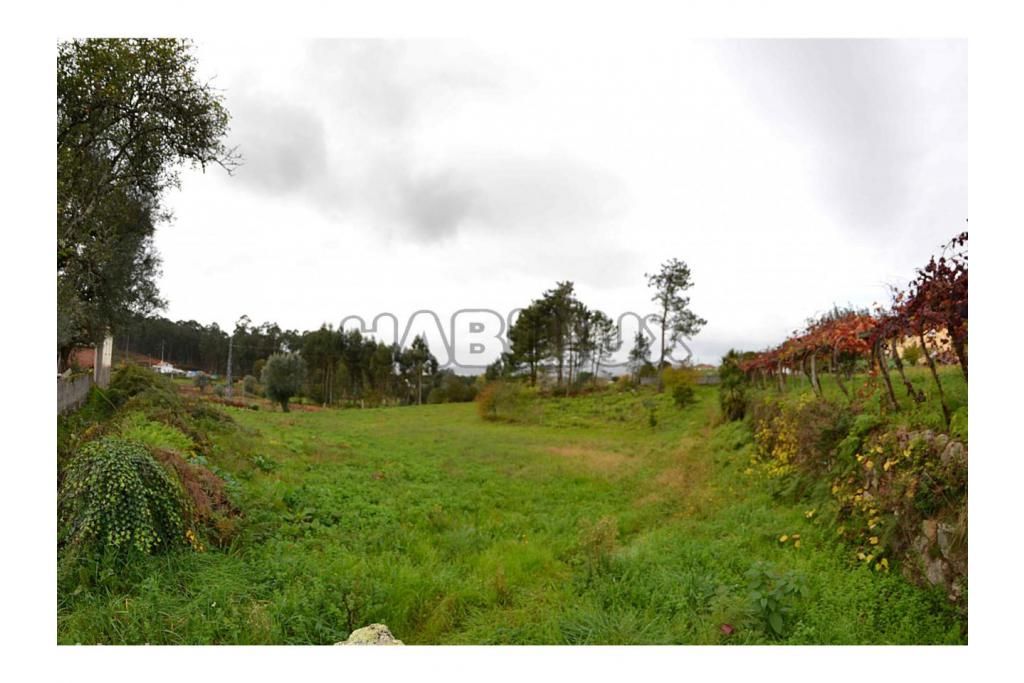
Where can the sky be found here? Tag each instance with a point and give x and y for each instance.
(399, 176)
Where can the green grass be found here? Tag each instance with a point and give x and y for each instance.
(587, 527)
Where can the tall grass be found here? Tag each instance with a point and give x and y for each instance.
(586, 525)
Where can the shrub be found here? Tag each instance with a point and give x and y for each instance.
(220, 389)
(137, 427)
(732, 389)
(683, 395)
(680, 382)
(283, 376)
(249, 385)
(115, 497)
(501, 400)
(209, 507)
(131, 380)
(774, 595)
(912, 354)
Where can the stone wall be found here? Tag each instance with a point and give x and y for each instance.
(71, 393)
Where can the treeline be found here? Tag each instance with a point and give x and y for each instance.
(192, 346)
(342, 366)
(560, 338)
(560, 335)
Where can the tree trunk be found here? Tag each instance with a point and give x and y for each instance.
(878, 351)
(816, 384)
(781, 378)
(935, 375)
(837, 372)
(911, 392)
(661, 358)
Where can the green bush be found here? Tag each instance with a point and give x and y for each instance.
(912, 354)
(116, 498)
(732, 390)
(250, 385)
(137, 427)
(683, 395)
(283, 376)
(774, 596)
(128, 381)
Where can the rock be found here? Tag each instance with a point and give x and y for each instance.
(935, 571)
(944, 536)
(374, 634)
(941, 441)
(929, 528)
(955, 453)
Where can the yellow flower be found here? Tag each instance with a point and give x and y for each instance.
(809, 513)
(869, 464)
(797, 544)
(887, 465)
(783, 538)
(873, 540)
(885, 564)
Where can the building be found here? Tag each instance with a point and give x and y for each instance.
(165, 368)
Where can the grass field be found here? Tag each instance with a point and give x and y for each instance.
(589, 527)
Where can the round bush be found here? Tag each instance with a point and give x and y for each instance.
(116, 497)
(283, 376)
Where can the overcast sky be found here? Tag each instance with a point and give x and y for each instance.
(397, 176)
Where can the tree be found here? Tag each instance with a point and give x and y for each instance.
(129, 113)
(640, 354)
(675, 318)
(416, 361)
(606, 339)
(201, 380)
(528, 337)
(283, 376)
(558, 307)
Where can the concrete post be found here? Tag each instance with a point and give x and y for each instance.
(103, 361)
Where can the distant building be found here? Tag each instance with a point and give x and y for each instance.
(165, 368)
(940, 346)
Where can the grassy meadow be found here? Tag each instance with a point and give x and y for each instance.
(586, 526)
